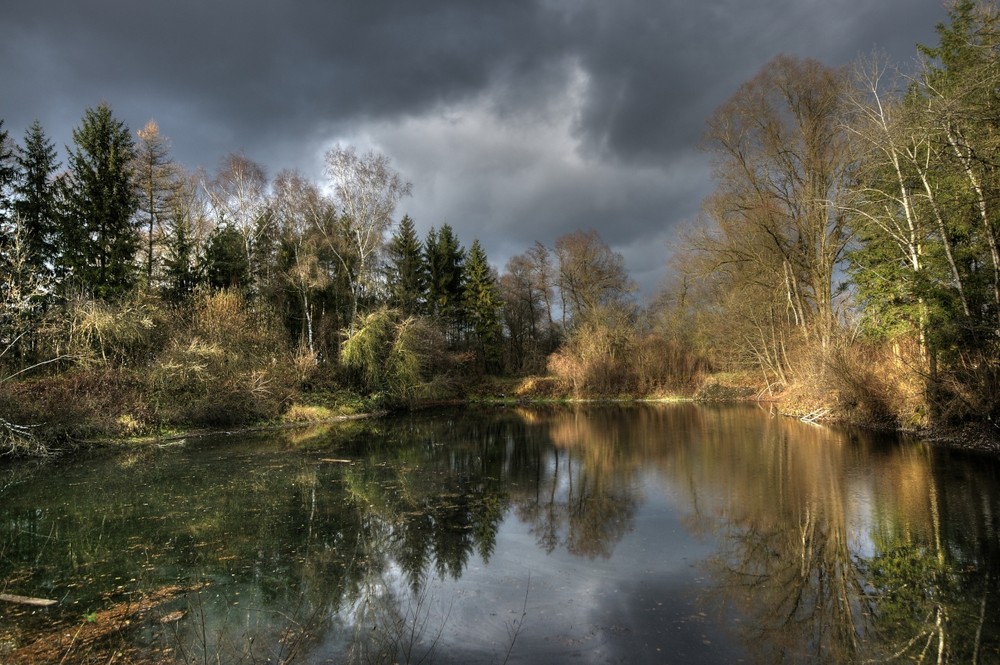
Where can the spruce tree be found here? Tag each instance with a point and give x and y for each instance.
(405, 269)
(481, 306)
(226, 264)
(98, 227)
(444, 258)
(35, 198)
(180, 271)
(8, 173)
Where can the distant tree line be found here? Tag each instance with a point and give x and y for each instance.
(847, 261)
(218, 295)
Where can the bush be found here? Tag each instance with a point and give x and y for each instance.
(60, 411)
(594, 360)
(124, 333)
(663, 366)
(228, 367)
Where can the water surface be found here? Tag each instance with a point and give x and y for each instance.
(594, 534)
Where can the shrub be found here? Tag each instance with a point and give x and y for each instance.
(228, 367)
(128, 332)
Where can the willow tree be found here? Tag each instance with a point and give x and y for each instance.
(777, 215)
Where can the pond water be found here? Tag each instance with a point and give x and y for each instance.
(592, 534)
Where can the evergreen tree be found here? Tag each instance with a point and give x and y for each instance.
(959, 97)
(35, 198)
(226, 265)
(8, 173)
(180, 270)
(98, 227)
(444, 259)
(406, 270)
(481, 301)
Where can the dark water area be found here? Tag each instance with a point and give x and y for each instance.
(592, 534)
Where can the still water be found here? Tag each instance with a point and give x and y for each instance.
(597, 534)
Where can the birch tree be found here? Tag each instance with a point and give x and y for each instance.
(367, 189)
(238, 197)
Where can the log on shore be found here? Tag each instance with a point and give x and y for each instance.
(26, 600)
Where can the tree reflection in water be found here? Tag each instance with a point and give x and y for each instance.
(354, 544)
(835, 552)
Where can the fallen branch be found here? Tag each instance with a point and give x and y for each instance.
(813, 416)
(27, 600)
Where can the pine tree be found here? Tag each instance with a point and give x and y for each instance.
(481, 306)
(406, 269)
(180, 271)
(35, 198)
(98, 227)
(226, 265)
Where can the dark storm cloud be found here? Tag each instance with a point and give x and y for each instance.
(516, 120)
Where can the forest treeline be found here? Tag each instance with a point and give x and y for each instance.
(847, 263)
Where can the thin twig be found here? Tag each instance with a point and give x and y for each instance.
(518, 623)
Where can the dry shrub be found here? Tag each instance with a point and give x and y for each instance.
(967, 389)
(664, 366)
(536, 387)
(594, 359)
(228, 367)
(864, 383)
(128, 332)
(588, 374)
(80, 404)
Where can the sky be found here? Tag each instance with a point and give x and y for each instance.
(515, 120)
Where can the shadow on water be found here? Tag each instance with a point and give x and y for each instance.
(592, 534)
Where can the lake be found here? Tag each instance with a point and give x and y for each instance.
(632, 534)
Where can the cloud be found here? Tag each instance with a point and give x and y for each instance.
(511, 174)
(516, 121)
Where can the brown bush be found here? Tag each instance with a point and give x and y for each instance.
(869, 384)
(63, 410)
(663, 366)
(229, 366)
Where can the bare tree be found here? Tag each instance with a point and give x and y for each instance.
(591, 275)
(301, 210)
(783, 163)
(159, 179)
(238, 197)
(367, 189)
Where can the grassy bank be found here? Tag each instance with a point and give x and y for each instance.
(60, 413)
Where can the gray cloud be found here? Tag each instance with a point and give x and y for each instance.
(516, 121)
